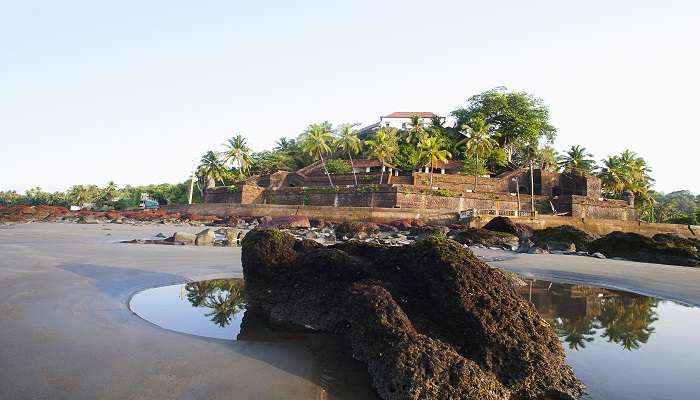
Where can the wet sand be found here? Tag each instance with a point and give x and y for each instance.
(66, 331)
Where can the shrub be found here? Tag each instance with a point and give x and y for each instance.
(442, 192)
(337, 166)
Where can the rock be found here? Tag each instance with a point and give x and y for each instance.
(402, 224)
(231, 237)
(486, 238)
(598, 255)
(562, 237)
(636, 247)
(677, 240)
(159, 235)
(183, 237)
(205, 238)
(537, 250)
(88, 219)
(318, 223)
(311, 235)
(525, 245)
(289, 222)
(430, 320)
(356, 230)
(506, 225)
(422, 232)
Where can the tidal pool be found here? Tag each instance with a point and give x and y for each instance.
(621, 345)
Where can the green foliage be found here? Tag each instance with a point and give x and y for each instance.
(442, 192)
(515, 119)
(680, 207)
(238, 152)
(577, 161)
(338, 166)
(407, 157)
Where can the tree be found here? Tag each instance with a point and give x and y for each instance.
(349, 143)
(478, 143)
(576, 161)
(316, 141)
(383, 146)
(431, 151)
(211, 169)
(415, 130)
(407, 157)
(238, 152)
(515, 119)
(625, 172)
(547, 158)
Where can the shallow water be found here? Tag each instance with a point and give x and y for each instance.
(621, 345)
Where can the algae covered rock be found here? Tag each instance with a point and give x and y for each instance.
(429, 319)
(636, 247)
(422, 232)
(356, 230)
(486, 238)
(562, 238)
(506, 225)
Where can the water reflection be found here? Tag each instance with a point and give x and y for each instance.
(224, 297)
(580, 314)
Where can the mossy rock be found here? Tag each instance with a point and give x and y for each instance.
(356, 230)
(562, 237)
(635, 247)
(486, 238)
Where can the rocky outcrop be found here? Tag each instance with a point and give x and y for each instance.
(356, 230)
(677, 240)
(430, 320)
(563, 238)
(506, 225)
(422, 232)
(636, 247)
(485, 237)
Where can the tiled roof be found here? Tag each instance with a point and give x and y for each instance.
(408, 114)
(450, 164)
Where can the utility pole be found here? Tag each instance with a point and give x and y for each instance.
(189, 201)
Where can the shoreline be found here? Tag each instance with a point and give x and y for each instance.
(68, 332)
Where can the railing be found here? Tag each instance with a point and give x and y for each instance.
(492, 212)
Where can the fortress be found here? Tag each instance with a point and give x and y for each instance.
(381, 185)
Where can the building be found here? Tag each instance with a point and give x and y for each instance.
(399, 120)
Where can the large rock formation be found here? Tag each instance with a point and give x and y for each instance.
(636, 247)
(564, 237)
(486, 238)
(430, 320)
(506, 225)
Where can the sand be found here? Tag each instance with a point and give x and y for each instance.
(66, 331)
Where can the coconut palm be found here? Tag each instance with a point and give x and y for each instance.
(415, 130)
(211, 169)
(383, 146)
(548, 157)
(238, 152)
(348, 142)
(316, 141)
(576, 161)
(478, 142)
(577, 331)
(431, 150)
(626, 172)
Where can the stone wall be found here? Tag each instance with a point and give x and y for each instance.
(586, 207)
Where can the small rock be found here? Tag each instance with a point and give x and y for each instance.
(184, 237)
(205, 238)
(598, 255)
(159, 235)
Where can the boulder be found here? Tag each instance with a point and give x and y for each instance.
(422, 232)
(183, 237)
(635, 247)
(486, 238)
(430, 320)
(231, 236)
(356, 230)
(402, 224)
(506, 225)
(562, 237)
(205, 238)
(677, 240)
(88, 219)
(289, 222)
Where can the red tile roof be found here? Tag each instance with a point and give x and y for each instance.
(408, 114)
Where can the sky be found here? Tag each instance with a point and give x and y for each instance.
(134, 91)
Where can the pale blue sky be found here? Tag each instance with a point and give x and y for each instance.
(133, 91)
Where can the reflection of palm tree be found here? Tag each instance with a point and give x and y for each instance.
(627, 321)
(576, 331)
(225, 298)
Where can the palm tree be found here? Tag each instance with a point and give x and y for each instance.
(431, 150)
(238, 152)
(383, 146)
(348, 142)
(316, 141)
(576, 161)
(478, 142)
(548, 157)
(212, 169)
(625, 173)
(415, 130)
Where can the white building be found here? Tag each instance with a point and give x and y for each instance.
(399, 120)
